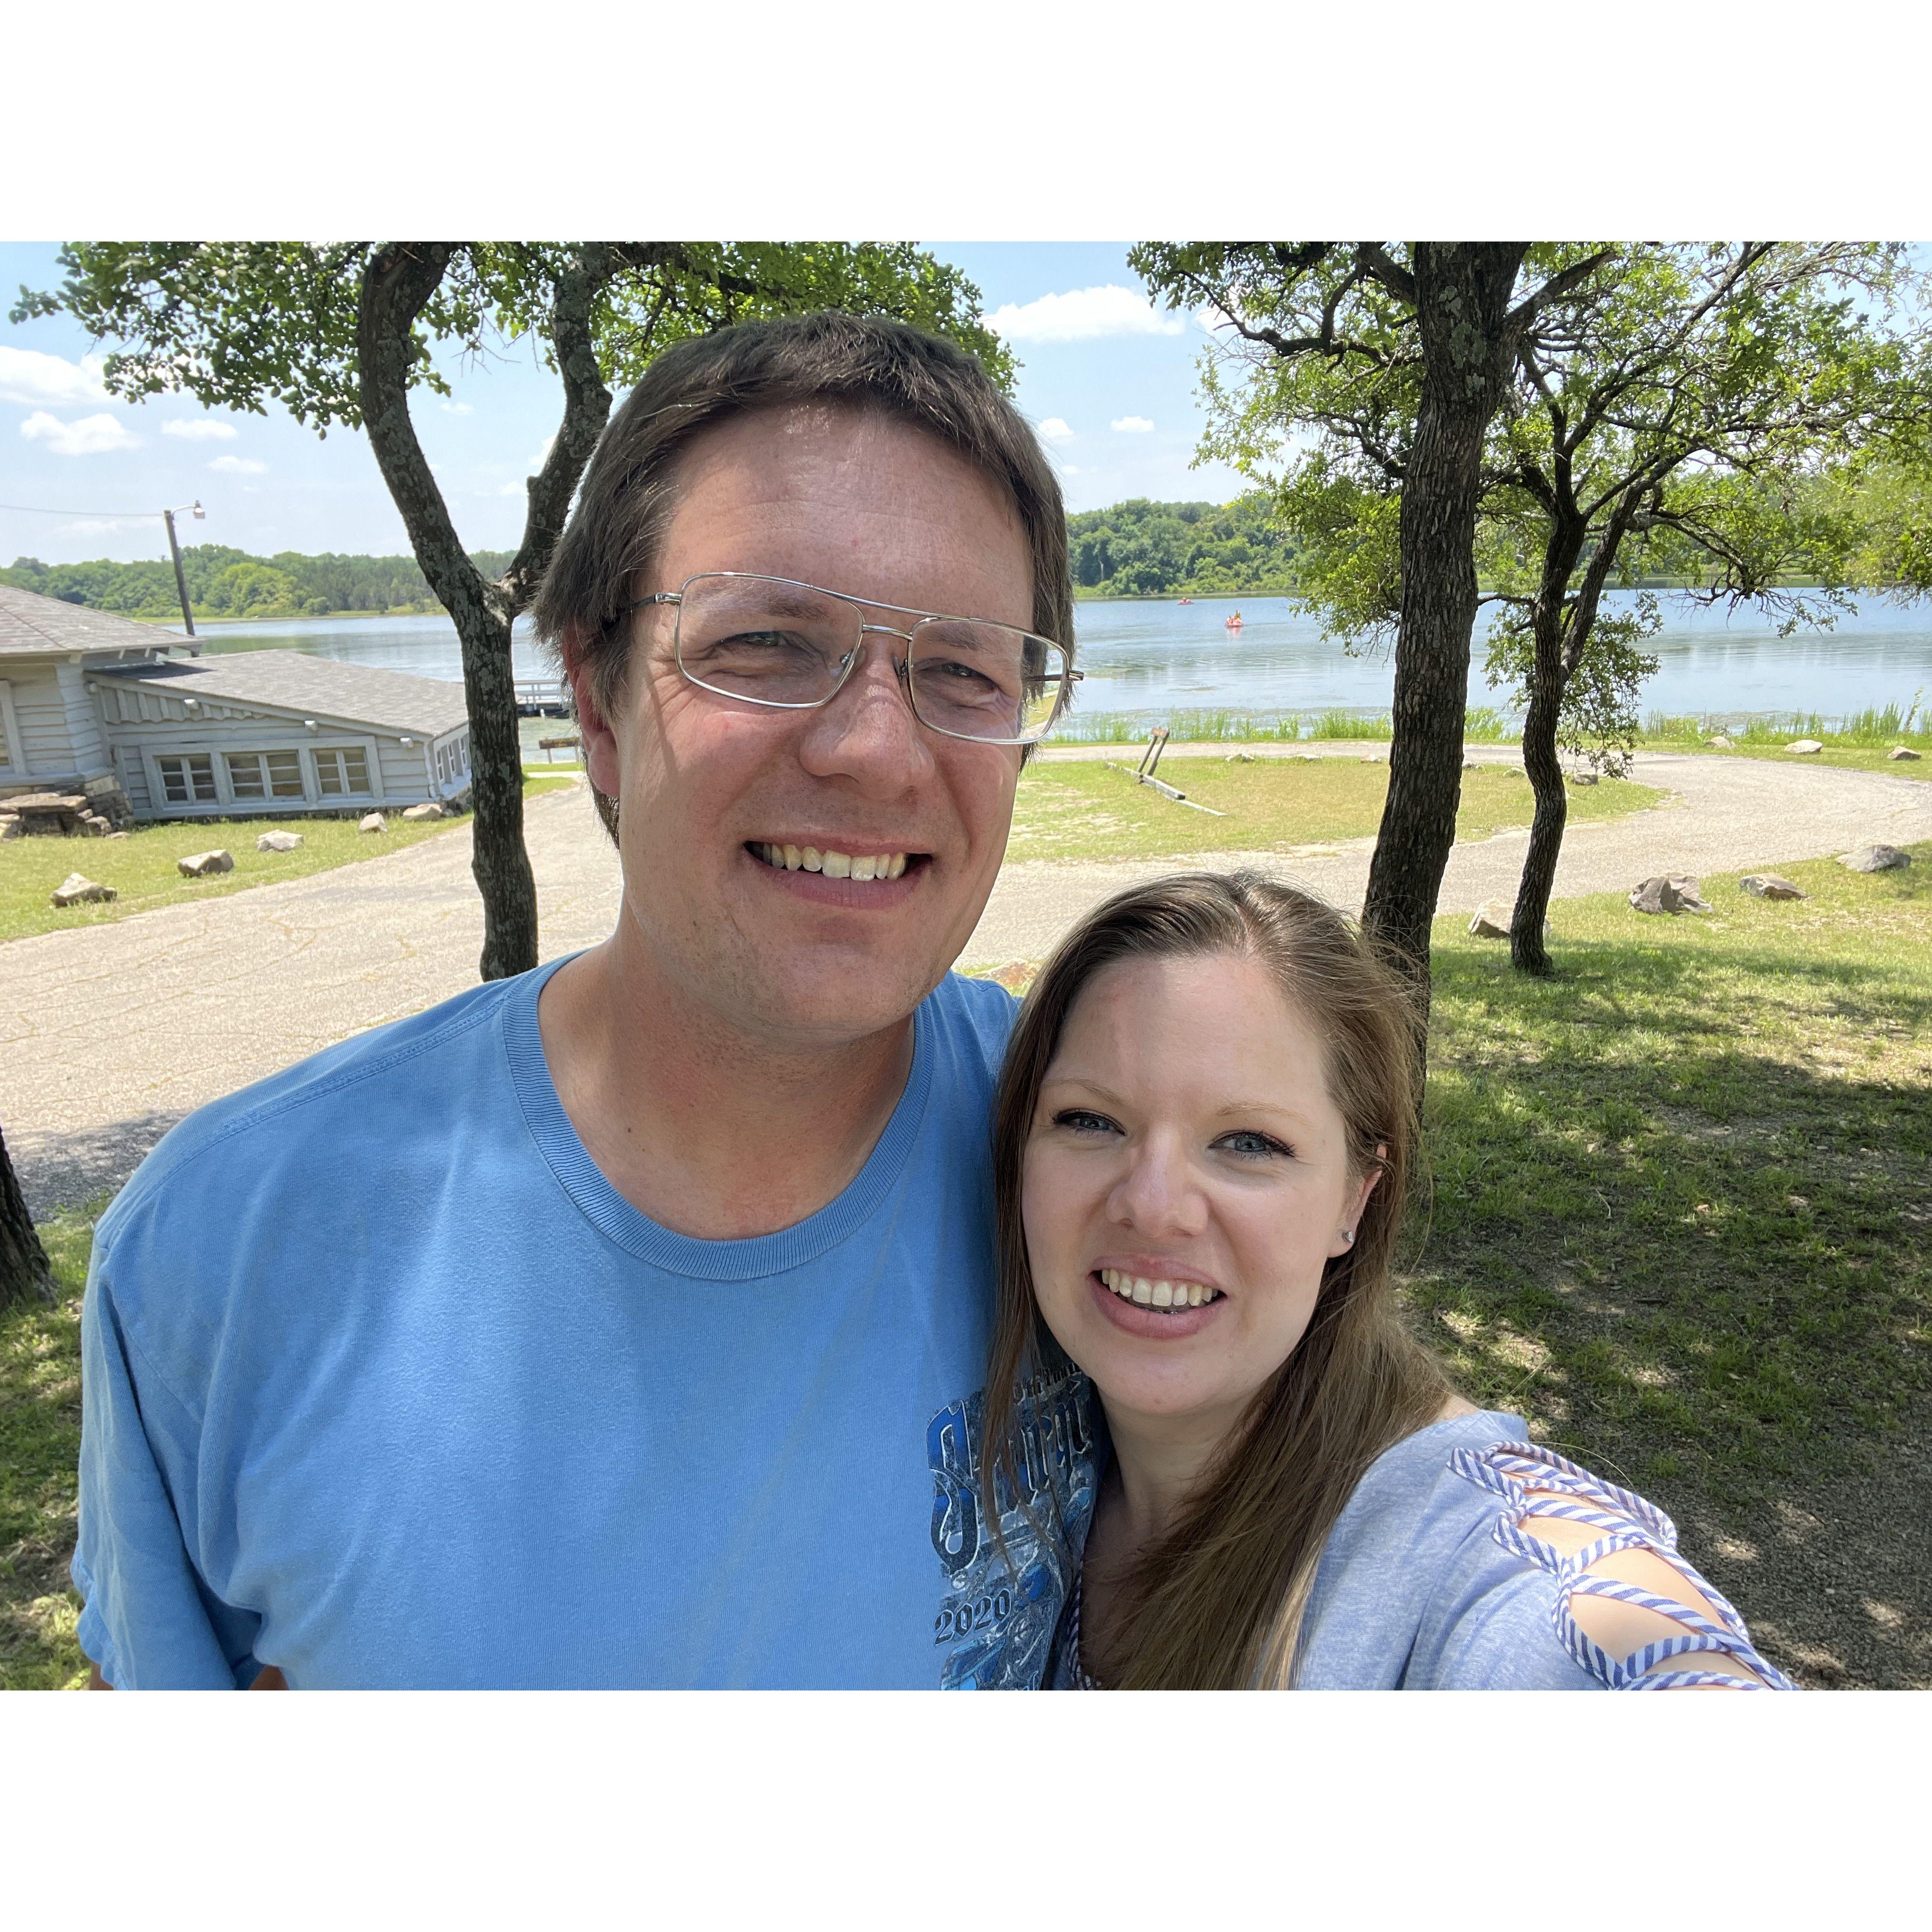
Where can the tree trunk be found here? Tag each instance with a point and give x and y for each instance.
(400, 278)
(1463, 309)
(1545, 772)
(25, 1275)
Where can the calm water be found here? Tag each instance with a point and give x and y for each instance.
(1150, 659)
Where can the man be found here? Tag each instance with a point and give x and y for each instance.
(622, 1324)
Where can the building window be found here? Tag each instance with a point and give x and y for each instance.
(265, 774)
(188, 780)
(342, 770)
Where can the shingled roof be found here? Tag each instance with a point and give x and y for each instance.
(31, 623)
(391, 700)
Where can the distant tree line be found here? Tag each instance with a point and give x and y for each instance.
(1143, 549)
(223, 582)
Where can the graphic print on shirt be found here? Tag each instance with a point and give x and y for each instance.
(996, 1623)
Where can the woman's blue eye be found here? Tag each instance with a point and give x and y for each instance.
(1083, 1122)
(1245, 1142)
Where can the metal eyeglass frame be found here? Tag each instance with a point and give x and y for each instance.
(901, 667)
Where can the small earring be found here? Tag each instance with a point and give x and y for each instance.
(1348, 1236)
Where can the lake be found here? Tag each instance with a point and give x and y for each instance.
(1148, 660)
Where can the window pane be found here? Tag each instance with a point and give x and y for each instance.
(356, 764)
(244, 774)
(201, 770)
(285, 778)
(174, 781)
(328, 773)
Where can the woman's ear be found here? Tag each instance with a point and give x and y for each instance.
(1344, 1237)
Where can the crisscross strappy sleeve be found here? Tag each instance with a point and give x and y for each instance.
(1535, 1486)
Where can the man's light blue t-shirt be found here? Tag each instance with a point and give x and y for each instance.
(386, 1385)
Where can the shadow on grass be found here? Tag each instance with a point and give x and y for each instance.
(1680, 1224)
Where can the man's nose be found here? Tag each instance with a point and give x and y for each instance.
(868, 732)
(1159, 1193)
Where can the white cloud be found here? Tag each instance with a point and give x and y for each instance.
(26, 376)
(87, 436)
(200, 429)
(513, 489)
(1055, 429)
(457, 409)
(238, 466)
(1083, 314)
(1131, 425)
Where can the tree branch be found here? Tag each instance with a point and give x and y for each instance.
(587, 408)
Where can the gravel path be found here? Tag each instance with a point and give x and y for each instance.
(1722, 815)
(109, 1033)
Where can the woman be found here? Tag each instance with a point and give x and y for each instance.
(1204, 1131)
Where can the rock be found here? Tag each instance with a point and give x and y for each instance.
(1720, 743)
(49, 812)
(278, 841)
(93, 825)
(374, 822)
(1583, 777)
(436, 811)
(416, 813)
(1493, 919)
(1874, 859)
(1803, 748)
(1674, 893)
(1770, 885)
(1471, 765)
(1899, 753)
(11, 826)
(75, 889)
(204, 865)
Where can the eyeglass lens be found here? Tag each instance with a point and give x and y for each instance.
(774, 643)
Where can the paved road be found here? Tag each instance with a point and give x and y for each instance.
(109, 1033)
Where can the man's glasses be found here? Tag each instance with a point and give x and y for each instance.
(770, 640)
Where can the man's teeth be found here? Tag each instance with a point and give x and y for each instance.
(833, 865)
(1137, 1288)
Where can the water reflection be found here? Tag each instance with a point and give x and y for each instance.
(1150, 658)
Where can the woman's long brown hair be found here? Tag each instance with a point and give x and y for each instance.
(1217, 1604)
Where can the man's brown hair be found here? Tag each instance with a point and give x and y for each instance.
(865, 362)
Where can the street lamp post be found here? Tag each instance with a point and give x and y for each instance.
(181, 582)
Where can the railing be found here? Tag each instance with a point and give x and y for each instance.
(541, 697)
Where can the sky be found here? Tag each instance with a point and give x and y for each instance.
(1109, 380)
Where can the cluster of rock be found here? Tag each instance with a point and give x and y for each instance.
(98, 812)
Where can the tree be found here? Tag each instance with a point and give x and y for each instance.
(341, 335)
(1397, 359)
(25, 1275)
(1674, 414)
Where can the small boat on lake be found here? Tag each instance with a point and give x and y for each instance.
(1187, 600)
(1233, 623)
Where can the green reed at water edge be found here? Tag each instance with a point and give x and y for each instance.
(1481, 725)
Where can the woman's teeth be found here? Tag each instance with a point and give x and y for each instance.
(1146, 1294)
(833, 865)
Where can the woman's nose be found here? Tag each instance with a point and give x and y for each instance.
(1158, 1192)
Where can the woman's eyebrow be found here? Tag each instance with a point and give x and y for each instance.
(1094, 1087)
(1234, 1107)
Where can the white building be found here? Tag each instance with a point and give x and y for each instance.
(88, 701)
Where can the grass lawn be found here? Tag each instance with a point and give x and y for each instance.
(141, 867)
(40, 1437)
(1090, 811)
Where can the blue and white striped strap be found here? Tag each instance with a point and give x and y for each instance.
(1563, 1490)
